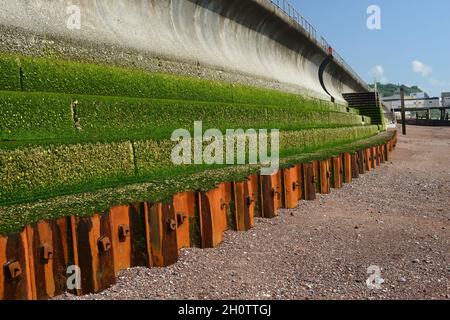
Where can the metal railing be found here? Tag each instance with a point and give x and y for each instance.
(288, 9)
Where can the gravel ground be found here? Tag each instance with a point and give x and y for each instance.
(397, 218)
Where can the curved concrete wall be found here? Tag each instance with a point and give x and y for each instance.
(244, 36)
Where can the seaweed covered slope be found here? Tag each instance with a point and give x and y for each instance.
(68, 127)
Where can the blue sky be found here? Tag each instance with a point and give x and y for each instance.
(412, 47)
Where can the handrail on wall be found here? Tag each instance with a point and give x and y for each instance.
(288, 9)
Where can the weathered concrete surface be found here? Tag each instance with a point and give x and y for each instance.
(237, 36)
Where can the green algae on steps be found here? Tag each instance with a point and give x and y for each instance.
(49, 164)
(70, 77)
(13, 218)
(10, 73)
(35, 172)
(48, 116)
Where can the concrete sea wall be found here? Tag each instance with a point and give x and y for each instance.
(249, 38)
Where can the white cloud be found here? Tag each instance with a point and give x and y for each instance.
(421, 68)
(377, 72)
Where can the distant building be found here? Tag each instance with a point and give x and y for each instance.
(411, 102)
(445, 99)
(394, 102)
(420, 95)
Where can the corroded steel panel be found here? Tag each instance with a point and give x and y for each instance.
(95, 255)
(185, 208)
(309, 183)
(49, 247)
(347, 162)
(325, 176)
(271, 194)
(338, 173)
(15, 272)
(292, 187)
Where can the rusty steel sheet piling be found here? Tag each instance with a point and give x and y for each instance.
(244, 204)
(378, 155)
(271, 194)
(216, 214)
(187, 219)
(15, 274)
(325, 176)
(92, 239)
(347, 162)
(354, 166)
(316, 173)
(292, 187)
(387, 152)
(254, 190)
(382, 154)
(163, 234)
(128, 240)
(361, 162)
(50, 255)
(299, 168)
(120, 237)
(374, 157)
(138, 213)
(309, 183)
(369, 160)
(337, 172)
